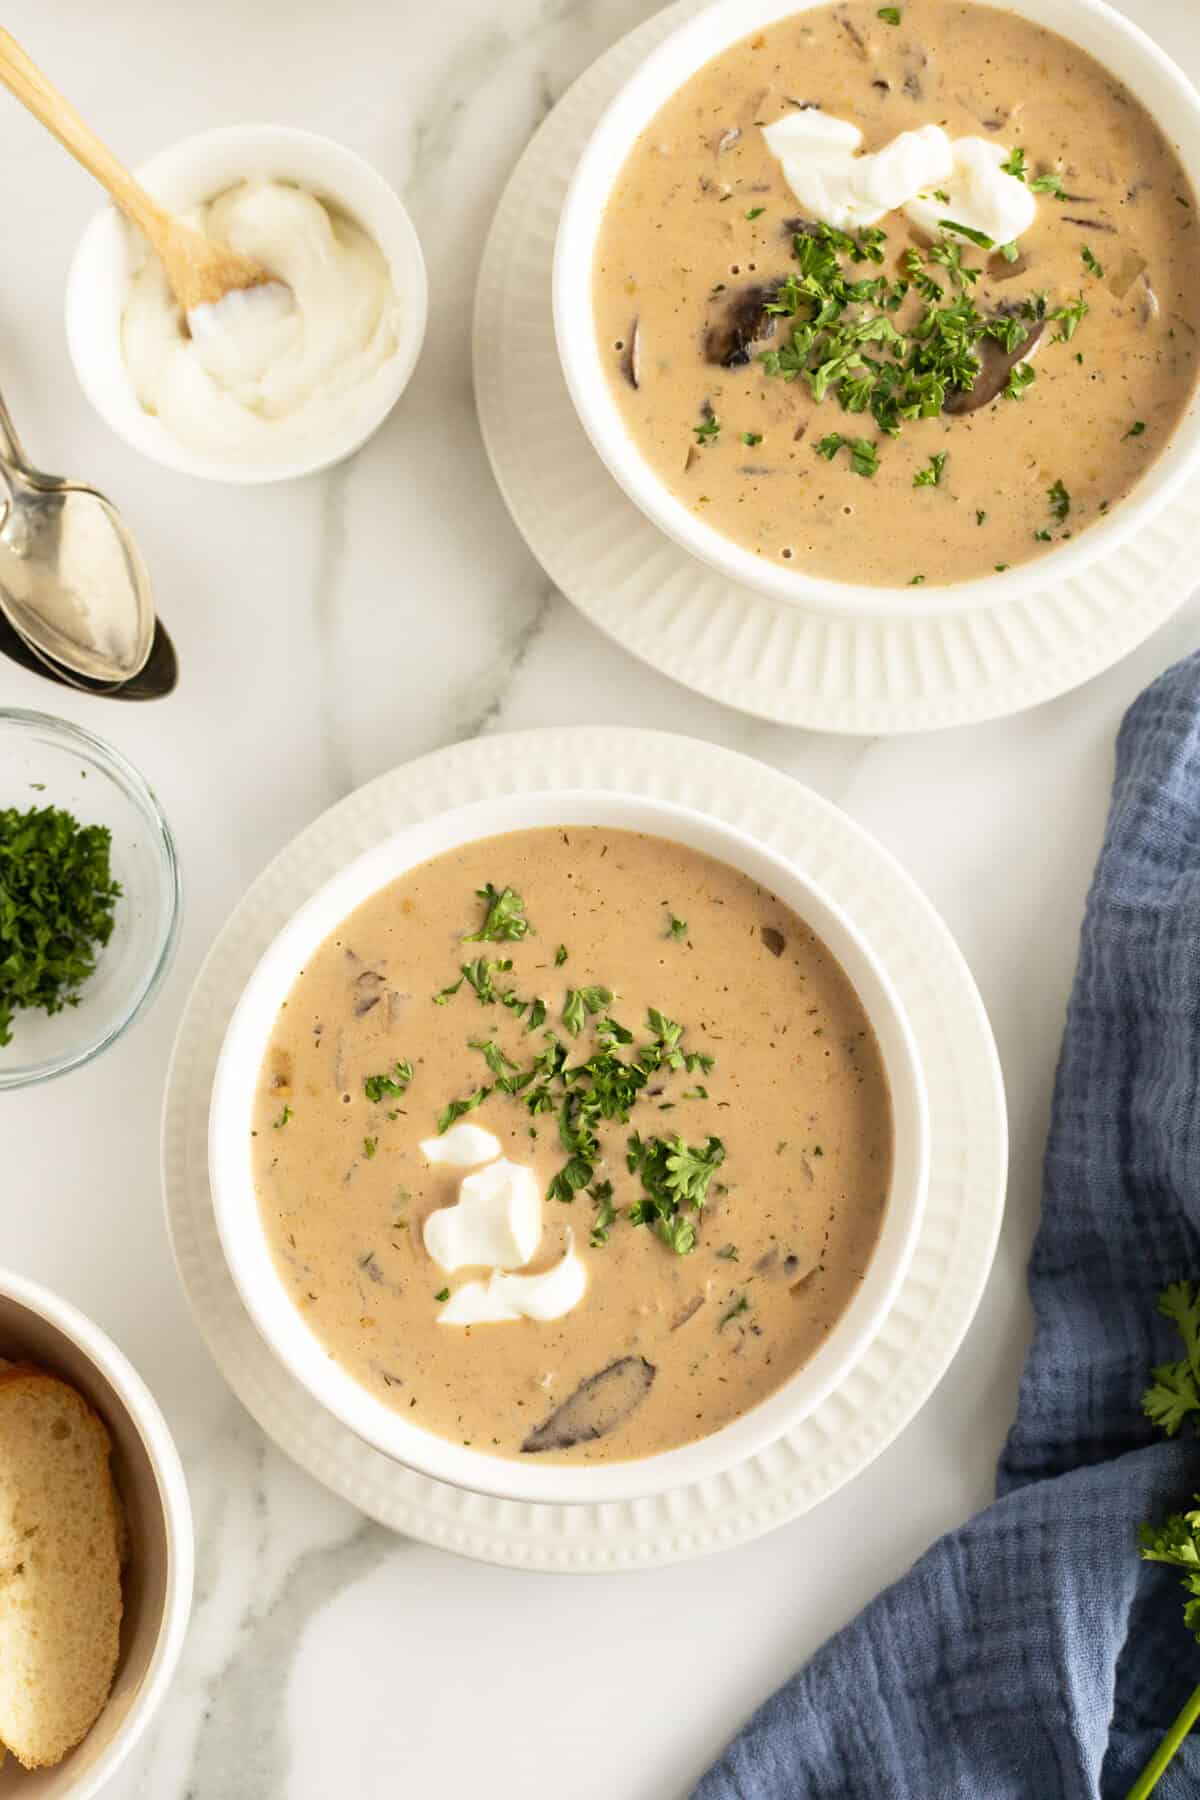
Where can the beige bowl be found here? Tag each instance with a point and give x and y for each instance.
(37, 1326)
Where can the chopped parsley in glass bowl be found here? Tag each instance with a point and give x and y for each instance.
(89, 896)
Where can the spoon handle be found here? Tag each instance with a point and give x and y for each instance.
(22, 77)
(12, 454)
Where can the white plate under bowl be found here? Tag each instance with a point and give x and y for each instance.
(797, 665)
(287, 1330)
(950, 1262)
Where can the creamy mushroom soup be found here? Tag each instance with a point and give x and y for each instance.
(572, 1144)
(901, 294)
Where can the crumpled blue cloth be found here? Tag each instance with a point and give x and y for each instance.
(1032, 1654)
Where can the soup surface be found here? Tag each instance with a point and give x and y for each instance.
(740, 1052)
(702, 232)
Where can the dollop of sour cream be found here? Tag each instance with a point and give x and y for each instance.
(822, 164)
(504, 1298)
(497, 1220)
(270, 371)
(496, 1223)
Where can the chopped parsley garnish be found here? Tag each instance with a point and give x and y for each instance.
(57, 897)
(932, 475)
(376, 1086)
(606, 1212)
(741, 1305)
(1089, 262)
(751, 438)
(677, 929)
(891, 15)
(829, 446)
(1043, 537)
(917, 581)
(582, 1002)
(457, 1108)
(370, 1146)
(1015, 165)
(675, 1179)
(980, 517)
(493, 1056)
(1010, 252)
(1071, 316)
(283, 1118)
(864, 458)
(560, 956)
(1060, 501)
(504, 921)
(446, 994)
(709, 431)
(478, 976)
(979, 238)
(756, 212)
(1020, 376)
(1136, 429)
(728, 1253)
(1048, 184)
(442, 1295)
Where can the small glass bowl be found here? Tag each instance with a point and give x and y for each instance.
(47, 762)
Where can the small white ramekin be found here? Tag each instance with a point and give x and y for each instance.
(1107, 35)
(283, 1326)
(36, 1326)
(186, 175)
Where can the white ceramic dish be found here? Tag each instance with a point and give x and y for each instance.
(798, 665)
(917, 1340)
(36, 1325)
(1112, 39)
(194, 171)
(285, 1328)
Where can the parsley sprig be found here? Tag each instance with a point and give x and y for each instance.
(1172, 1399)
(504, 919)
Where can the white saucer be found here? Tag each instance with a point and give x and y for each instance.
(778, 661)
(958, 1236)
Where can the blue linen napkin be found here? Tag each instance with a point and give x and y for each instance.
(1031, 1654)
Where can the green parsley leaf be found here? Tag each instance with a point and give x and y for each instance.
(709, 431)
(1071, 317)
(370, 1146)
(560, 956)
(1048, 184)
(1010, 252)
(1136, 429)
(829, 446)
(478, 976)
(1060, 501)
(493, 1056)
(756, 212)
(931, 476)
(864, 458)
(979, 238)
(1020, 376)
(741, 1305)
(675, 1179)
(283, 1118)
(376, 1086)
(504, 920)
(891, 15)
(605, 1215)
(580, 1002)
(1015, 165)
(752, 438)
(457, 1108)
(980, 517)
(442, 1295)
(446, 994)
(1174, 1396)
(677, 929)
(917, 581)
(57, 896)
(1089, 262)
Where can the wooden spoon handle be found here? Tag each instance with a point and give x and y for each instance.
(22, 77)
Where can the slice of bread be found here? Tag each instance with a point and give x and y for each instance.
(60, 1576)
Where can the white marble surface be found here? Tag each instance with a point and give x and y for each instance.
(327, 631)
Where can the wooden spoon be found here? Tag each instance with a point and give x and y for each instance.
(200, 271)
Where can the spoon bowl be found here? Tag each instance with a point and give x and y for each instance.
(72, 581)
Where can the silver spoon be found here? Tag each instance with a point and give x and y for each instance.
(152, 682)
(72, 580)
